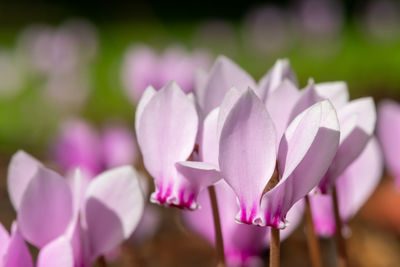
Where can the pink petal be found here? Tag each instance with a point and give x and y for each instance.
(294, 218)
(305, 153)
(4, 241)
(357, 124)
(167, 134)
(336, 92)
(280, 103)
(199, 174)
(323, 217)
(275, 76)
(46, 208)
(229, 100)
(113, 207)
(209, 144)
(21, 170)
(223, 75)
(56, 253)
(388, 133)
(144, 100)
(17, 252)
(247, 153)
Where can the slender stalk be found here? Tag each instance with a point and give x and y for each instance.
(219, 242)
(275, 247)
(102, 262)
(312, 239)
(340, 242)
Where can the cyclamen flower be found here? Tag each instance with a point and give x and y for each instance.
(353, 187)
(357, 123)
(143, 68)
(249, 154)
(166, 127)
(388, 133)
(243, 243)
(92, 216)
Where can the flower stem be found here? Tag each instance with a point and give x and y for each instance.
(340, 242)
(274, 250)
(312, 239)
(102, 262)
(219, 242)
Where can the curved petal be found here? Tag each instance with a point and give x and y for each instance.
(223, 75)
(305, 153)
(247, 154)
(357, 124)
(280, 103)
(144, 100)
(21, 170)
(17, 252)
(113, 207)
(274, 77)
(199, 174)
(46, 208)
(229, 100)
(388, 133)
(56, 253)
(167, 133)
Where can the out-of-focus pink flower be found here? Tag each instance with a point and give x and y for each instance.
(79, 145)
(143, 67)
(266, 29)
(86, 218)
(354, 187)
(389, 133)
(357, 123)
(243, 243)
(248, 148)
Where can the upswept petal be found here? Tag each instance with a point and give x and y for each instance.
(223, 75)
(280, 103)
(166, 135)
(302, 160)
(56, 253)
(46, 208)
(388, 132)
(144, 100)
(17, 252)
(357, 123)
(113, 206)
(229, 100)
(208, 148)
(21, 170)
(274, 77)
(337, 92)
(247, 153)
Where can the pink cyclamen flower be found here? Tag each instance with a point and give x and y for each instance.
(357, 123)
(243, 243)
(92, 216)
(249, 153)
(166, 127)
(354, 187)
(80, 145)
(388, 132)
(143, 67)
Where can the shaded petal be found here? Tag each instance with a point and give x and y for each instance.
(247, 153)
(56, 253)
(357, 124)
(337, 92)
(46, 208)
(17, 252)
(167, 134)
(323, 215)
(21, 170)
(113, 207)
(274, 77)
(199, 174)
(223, 75)
(144, 100)
(305, 153)
(388, 132)
(209, 144)
(280, 103)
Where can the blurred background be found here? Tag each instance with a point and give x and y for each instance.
(86, 63)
